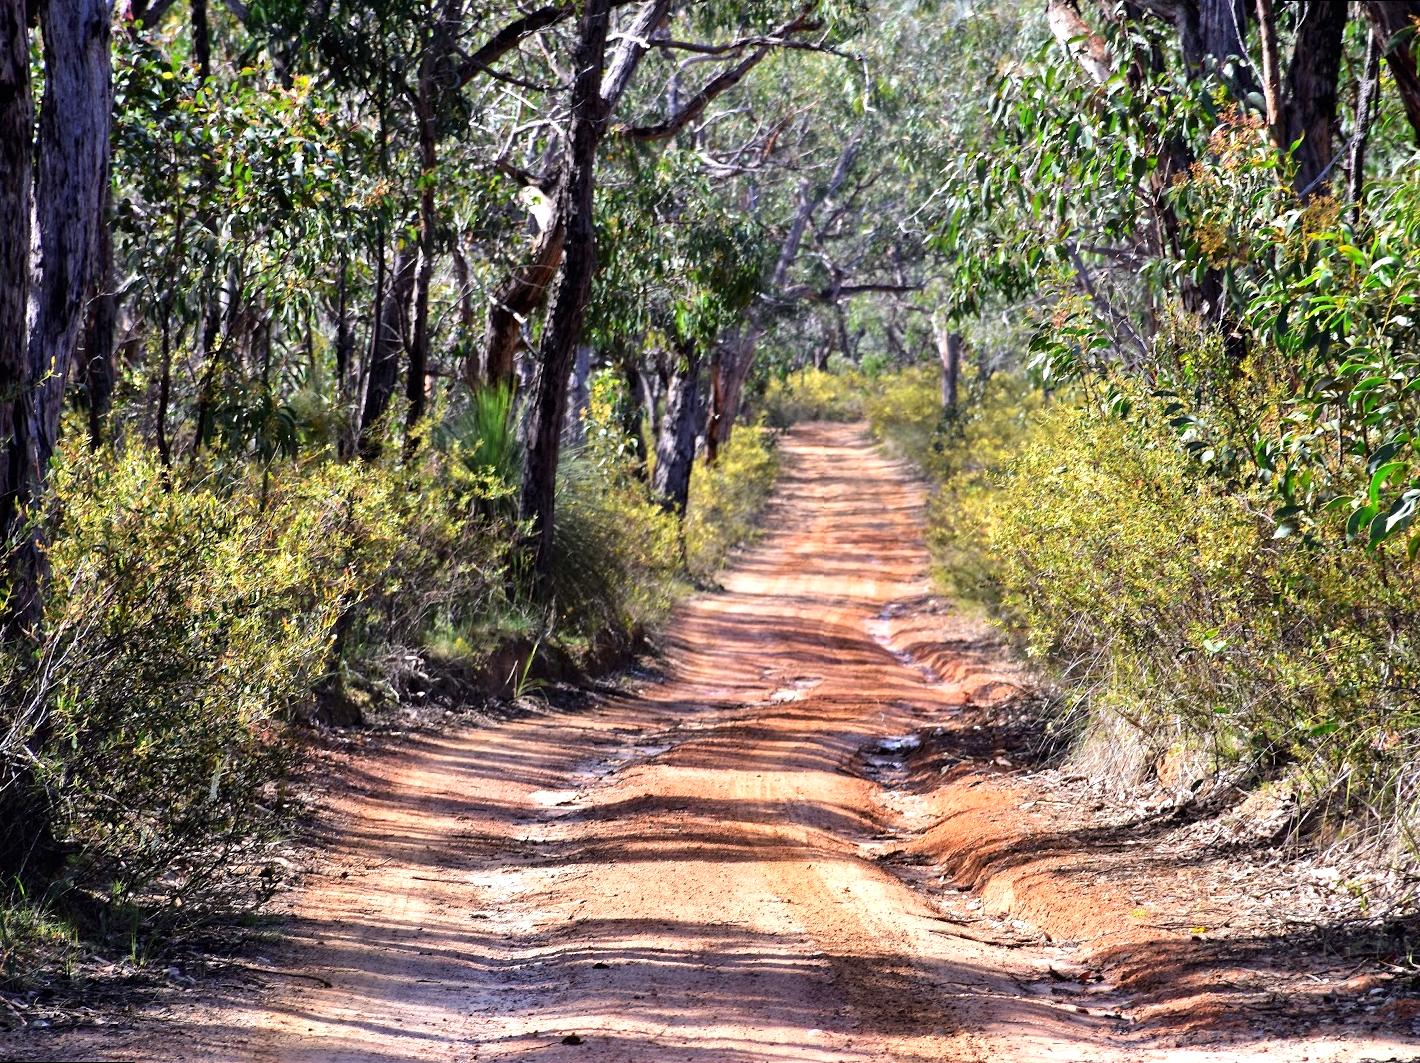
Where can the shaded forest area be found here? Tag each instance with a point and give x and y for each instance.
(349, 344)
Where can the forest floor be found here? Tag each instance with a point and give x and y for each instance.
(819, 835)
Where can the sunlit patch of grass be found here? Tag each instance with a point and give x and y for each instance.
(33, 939)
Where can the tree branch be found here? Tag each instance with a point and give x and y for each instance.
(634, 43)
(508, 38)
(694, 107)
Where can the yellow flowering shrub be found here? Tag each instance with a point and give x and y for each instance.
(726, 499)
(1165, 598)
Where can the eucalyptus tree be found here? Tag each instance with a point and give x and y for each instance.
(683, 265)
(1179, 203)
(58, 180)
(592, 118)
(850, 249)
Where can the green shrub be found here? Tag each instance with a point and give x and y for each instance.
(904, 410)
(1165, 600)
(184, 621)
(616, 553)
(813, 395)
(726, 499)
(193, 610)
(189, 614)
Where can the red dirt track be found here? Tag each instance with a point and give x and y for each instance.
(702, 872)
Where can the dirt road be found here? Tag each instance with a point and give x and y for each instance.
(692, 874)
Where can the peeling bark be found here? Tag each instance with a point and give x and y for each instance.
(1365, 115)
(71, 175)
(1068, 27)
(518, 297)
(1271, 77)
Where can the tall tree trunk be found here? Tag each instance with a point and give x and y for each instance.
(23, 818)
(632, 411)
(1271, 71)
(716, 412)
(41, 321)
(949, 348)
(96, 362)
(417, 378)
(201, 40)
(651, 388)
(15, 169)
(72, 169)
(1394, 22)
(1310, 89)
(1365, 115)
(563, 330)
(388, 342)
(434, 75)
(344, 332)
(472, 368)
(1222, 32)
(578, 395)
(675, 445)
(1222, 28)
(736, 359)
(525, 290)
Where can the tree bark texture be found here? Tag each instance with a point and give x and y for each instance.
(71, 175)
(1271, 75)
(949, 349)
(563, 330)
(390, 339)
(1394, 21)
(519, 296)
(435, 76)
(1365, 114)
(1310, 90)
(96, 356)
(15, 179)
(578, 396)
(675, 445)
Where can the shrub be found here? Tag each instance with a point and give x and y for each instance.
(190, 612)
(1165, 599)
(616, 553)
(904, 410)
(193, 609)
(813, 395)
(726, 499)
(184, 620)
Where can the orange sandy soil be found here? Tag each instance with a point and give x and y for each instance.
(745, 861)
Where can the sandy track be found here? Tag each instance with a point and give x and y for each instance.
(690, 874)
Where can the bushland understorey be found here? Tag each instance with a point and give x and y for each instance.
(334, 334)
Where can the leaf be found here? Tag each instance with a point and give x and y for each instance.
(1379, 478)
(1359, 519)
(1386, 452)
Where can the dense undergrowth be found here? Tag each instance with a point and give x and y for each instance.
(1192, 646)
(195, 612)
